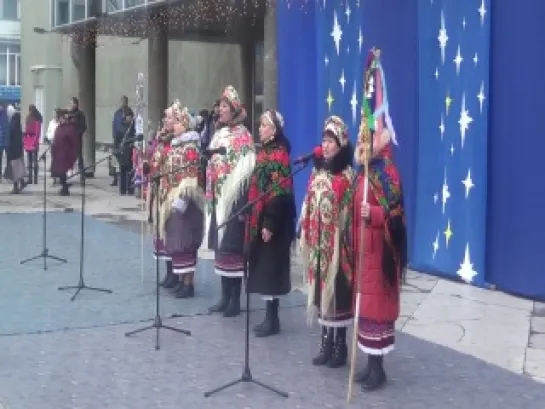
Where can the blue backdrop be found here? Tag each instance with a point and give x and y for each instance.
(453, 43)
(516, 191)
(453, 150)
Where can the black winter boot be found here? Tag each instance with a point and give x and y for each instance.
(188, 290)
(340, 350)
(326, 347)
(178, 287)
(170, 279)
(271, 323)
(233, 309)
(362, 376)
(377, 376)
(221, 305)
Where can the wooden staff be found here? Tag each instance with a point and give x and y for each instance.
(365, 141)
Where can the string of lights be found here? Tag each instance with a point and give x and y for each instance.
(182, 16)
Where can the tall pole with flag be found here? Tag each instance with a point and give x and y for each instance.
(364, 148)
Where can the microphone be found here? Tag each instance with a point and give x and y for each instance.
(209, 152)
(316, 153)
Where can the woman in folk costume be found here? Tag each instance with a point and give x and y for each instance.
(380, 212)
(272, 220)
(227, 177)
(182, 203)
(324, 241)
(157, 165)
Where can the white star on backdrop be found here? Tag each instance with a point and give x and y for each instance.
(360, 39)
(468, 183)
(354, 104)
(475, 59)
(458, 60)
(337, 32)
(442, 127)
(347, 12)
(435, 198)
(443, 37)
(342, 81)
(435, 245)
(436, 73)
(466, 271)
(451, 149)
(482, 11)
(326, 61)
(481, 97)
(464, 23)
(464, 120)
(445, 193)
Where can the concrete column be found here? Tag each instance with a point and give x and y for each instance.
(84, 58)
(247, 53)
(157, 73)
(270, 64)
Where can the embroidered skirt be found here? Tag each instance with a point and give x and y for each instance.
(159, 250)
(340, 313)
(229, 264)
(375, 338)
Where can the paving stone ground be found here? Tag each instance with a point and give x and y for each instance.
(57, 354)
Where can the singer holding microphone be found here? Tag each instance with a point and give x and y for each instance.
(272, 221)
(326, 250)
(227, 181)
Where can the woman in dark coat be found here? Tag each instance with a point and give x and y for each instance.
(272, 221)
(64, 150)
(15, 150)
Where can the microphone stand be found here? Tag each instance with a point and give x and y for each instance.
(246, 372)
(45, 251)
(157, 321)
(81, 283)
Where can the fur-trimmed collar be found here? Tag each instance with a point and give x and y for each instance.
(338, 163)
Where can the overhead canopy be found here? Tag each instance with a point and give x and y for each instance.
(217, 20)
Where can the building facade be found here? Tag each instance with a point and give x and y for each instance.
(96, 49)
(10, 51)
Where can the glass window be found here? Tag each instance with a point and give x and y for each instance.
(3, 69)
(10, 10)
(62, 12)
(13, 80)
(133, 3)
(78, 10)
(114, 5)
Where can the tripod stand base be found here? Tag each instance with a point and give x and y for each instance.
(246, 378)
(158, 324)
(45, 255)
(82, 286)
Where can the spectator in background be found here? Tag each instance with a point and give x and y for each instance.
(51, 127)
(81, 126)
(16, 164)
(31, 141)
(4, 136)
(65, 148)
(122, 123)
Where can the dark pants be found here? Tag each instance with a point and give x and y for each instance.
(63, 179)
(81, 165)
(32, 163)
(125, 180)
